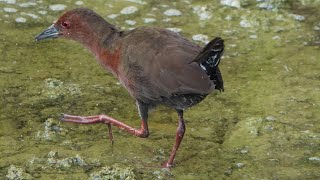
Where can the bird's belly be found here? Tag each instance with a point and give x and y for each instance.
(183, 101)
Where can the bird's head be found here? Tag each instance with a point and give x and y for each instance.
(79, 24)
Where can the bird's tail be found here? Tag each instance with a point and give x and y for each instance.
(209, 59)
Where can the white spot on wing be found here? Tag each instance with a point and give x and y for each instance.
(204, 68)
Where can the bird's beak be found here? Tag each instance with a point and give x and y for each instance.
(50, 32)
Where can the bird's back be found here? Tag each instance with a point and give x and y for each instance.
(158, 64)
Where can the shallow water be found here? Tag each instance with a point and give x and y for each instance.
(264, 126)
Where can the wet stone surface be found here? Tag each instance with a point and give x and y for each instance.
(264, 126)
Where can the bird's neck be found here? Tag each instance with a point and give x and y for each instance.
(106, 48)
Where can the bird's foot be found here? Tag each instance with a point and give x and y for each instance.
(142, 132)
(166, 165)
(82, 119)
(88, 120)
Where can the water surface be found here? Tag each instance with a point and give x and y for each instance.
(264, 126)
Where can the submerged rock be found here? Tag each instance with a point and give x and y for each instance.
(265, 5)
(42, 12)
(9, 1)
(245, 23)
(253, 36)
(162, 174)
(309, 2)
(55, 161)
(270, 118)
(9, 10)
(79, 3)
(113, 172)
(201, 37)
(172, 12)
(240, 165)
(57, 7)
(56, 89)
(130, 22)
(137, 1)
(174, 29)
(297, 17)
(21, 20)
(271, 4)
(149, 20)
(231, 3)
(16, 173)
(315, 159)
(129, 10)
(51, 129)
(28, 4)
(202, 12)
(112, 16)
(58, 161)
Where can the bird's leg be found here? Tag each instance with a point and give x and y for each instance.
(142, 132)
(179, 136)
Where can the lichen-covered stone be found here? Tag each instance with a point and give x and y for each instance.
(51, 130)
(17, 173)
(113, 172)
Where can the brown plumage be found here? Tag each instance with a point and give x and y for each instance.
(156, 66)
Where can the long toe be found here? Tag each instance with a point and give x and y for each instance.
(77, 119)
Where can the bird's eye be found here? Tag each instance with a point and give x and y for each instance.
(65, 24)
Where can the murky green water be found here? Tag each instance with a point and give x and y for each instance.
(264, 126)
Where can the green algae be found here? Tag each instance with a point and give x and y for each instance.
(264, 126)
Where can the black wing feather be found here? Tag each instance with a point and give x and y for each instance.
(209, 59)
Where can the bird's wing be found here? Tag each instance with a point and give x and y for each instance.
(160, 63)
